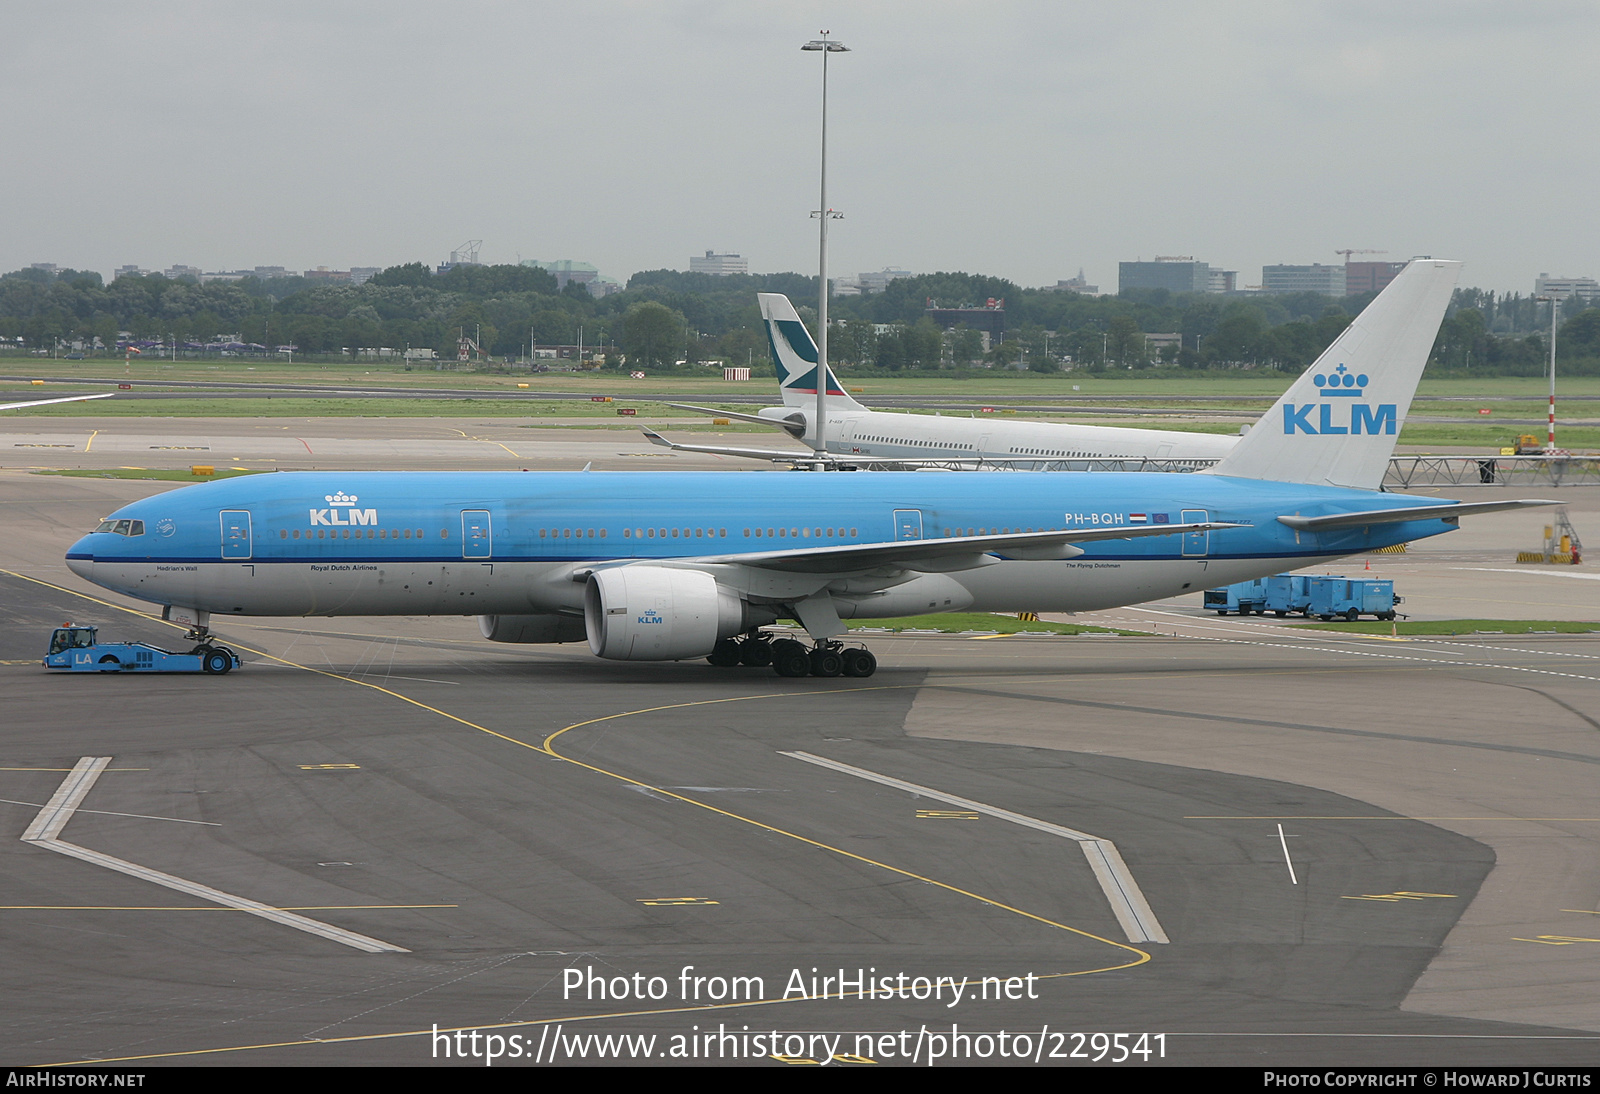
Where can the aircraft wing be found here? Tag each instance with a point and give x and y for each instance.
(945, 554)
(63, 399)
(1444, 511)
(810, 458)
(720, 450)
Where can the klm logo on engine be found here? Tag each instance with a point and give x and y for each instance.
(1342, 414)
(352, 516)
(651, 616)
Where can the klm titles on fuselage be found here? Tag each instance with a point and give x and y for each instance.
(352, 516)
(1340, 417)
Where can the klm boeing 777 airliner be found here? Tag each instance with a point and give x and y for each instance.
(671, 566)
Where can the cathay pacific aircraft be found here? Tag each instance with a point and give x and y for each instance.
(860, 436)
(662, 566)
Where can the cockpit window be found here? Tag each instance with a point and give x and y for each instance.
(122, 527)
(106, 526)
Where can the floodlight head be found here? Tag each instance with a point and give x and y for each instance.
(824, 45)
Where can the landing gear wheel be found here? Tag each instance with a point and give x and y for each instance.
(826, 662)
(725, 654)
(755, 653)
(859, 663)
(216, 662)
(789, 658)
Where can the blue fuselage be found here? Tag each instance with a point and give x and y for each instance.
(372, 543)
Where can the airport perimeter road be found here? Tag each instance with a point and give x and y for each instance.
(477, 836)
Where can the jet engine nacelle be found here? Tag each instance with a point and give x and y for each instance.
(544, 627)
(658, 613)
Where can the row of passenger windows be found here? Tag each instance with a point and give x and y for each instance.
(1058, 452)
(950, 533)
(915, 443)
(565, 533)
(371, 533)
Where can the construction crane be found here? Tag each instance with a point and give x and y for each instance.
(1348, 251)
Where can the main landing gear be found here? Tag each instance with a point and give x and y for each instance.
(213, 658)
(791, 658)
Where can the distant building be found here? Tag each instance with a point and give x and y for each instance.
(225, 275)
(989, 320)
(1361, 277)
(1327, 280)
(1175, 273)
(322, 273)
(48, 267)
(878, 281)
(175, 272)
(565, 269)
(1220, 281)
(1585, 289)
(603, 286)
(360, 275)
(1076, 284)
(719, 265)
(268, 273)
(130, 271)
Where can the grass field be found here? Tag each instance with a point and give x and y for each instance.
(1243, 383)
(976, 623)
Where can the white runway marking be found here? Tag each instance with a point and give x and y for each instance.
(1287, 860)
(47, 826)
(1133, 912)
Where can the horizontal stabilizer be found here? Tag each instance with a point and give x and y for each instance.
(1446, 511)
(793, 423)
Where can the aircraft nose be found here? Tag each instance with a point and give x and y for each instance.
(80, 559)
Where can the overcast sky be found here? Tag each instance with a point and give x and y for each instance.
(1022, 139)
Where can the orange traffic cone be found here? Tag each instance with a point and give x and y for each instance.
(1369, 563)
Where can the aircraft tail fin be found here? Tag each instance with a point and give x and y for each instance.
(1338, 423)
(794, 355)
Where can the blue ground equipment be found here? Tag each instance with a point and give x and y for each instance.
(1242, 597)
(1326, 596)
(1351, 598)
(1288, 593)
(75, 649)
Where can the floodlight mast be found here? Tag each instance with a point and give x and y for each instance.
(1555, 299)
(825, 46)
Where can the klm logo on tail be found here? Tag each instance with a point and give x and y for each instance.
(1344, 415)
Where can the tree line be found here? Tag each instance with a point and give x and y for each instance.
(667, 317)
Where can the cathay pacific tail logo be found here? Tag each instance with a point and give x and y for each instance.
(1344, 416)
(352, 515)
